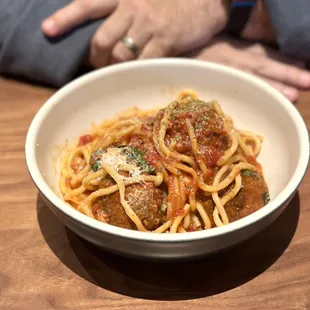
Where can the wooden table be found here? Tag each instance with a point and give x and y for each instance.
(45, 266)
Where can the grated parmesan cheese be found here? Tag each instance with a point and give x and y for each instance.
(115, 158)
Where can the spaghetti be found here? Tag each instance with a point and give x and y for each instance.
(180, 169)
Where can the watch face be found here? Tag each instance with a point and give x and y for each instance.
(241, 3)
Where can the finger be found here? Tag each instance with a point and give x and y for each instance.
(285, 73)
(106, 37)
(274, 66)
(76, 13)
(289, 92)
(156, 49)
(261, 50)
(280, 67)
(140, 36)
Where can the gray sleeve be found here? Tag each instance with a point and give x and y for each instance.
(291, 20)
(26, 52)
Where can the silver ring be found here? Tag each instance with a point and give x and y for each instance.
(131, 45)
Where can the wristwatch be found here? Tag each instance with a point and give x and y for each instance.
(239, 16)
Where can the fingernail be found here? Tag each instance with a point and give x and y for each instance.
(290, 93)
(304, 79)
(49, 27)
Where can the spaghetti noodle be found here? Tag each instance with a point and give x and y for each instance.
(184, 168)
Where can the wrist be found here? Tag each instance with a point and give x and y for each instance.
(259, 26)
(239, 16)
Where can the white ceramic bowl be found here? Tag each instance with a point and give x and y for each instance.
(253, 104)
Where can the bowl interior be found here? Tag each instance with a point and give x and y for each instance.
(252, 104)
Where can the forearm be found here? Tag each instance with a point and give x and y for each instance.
(26, 52)
(291, 21)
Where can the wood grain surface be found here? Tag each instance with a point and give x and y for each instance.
(43, 265)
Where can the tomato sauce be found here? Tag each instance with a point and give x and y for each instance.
(85, 139)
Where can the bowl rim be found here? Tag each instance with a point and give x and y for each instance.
(279, 200)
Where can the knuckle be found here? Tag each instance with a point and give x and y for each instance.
(100, 43)
(144, 13)
(162, 28)
(261, 69)
(134, 5)
(166, 44)
(258, 48)
(118, 57)
(292, 73)
(118, 53)
(148, 15)
(149, 20)
(164, 48)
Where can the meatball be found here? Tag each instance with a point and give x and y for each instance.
(109, 209)
(208, 125)
(145, 200)
(209, 130)
(252, 196)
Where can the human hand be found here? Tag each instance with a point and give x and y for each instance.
(159, 28)
(259, 26)
(285, 74)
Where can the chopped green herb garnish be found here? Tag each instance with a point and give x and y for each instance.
(97, 166)
(95, 159)
(137, 156)
(266, 198)
(249, 173)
